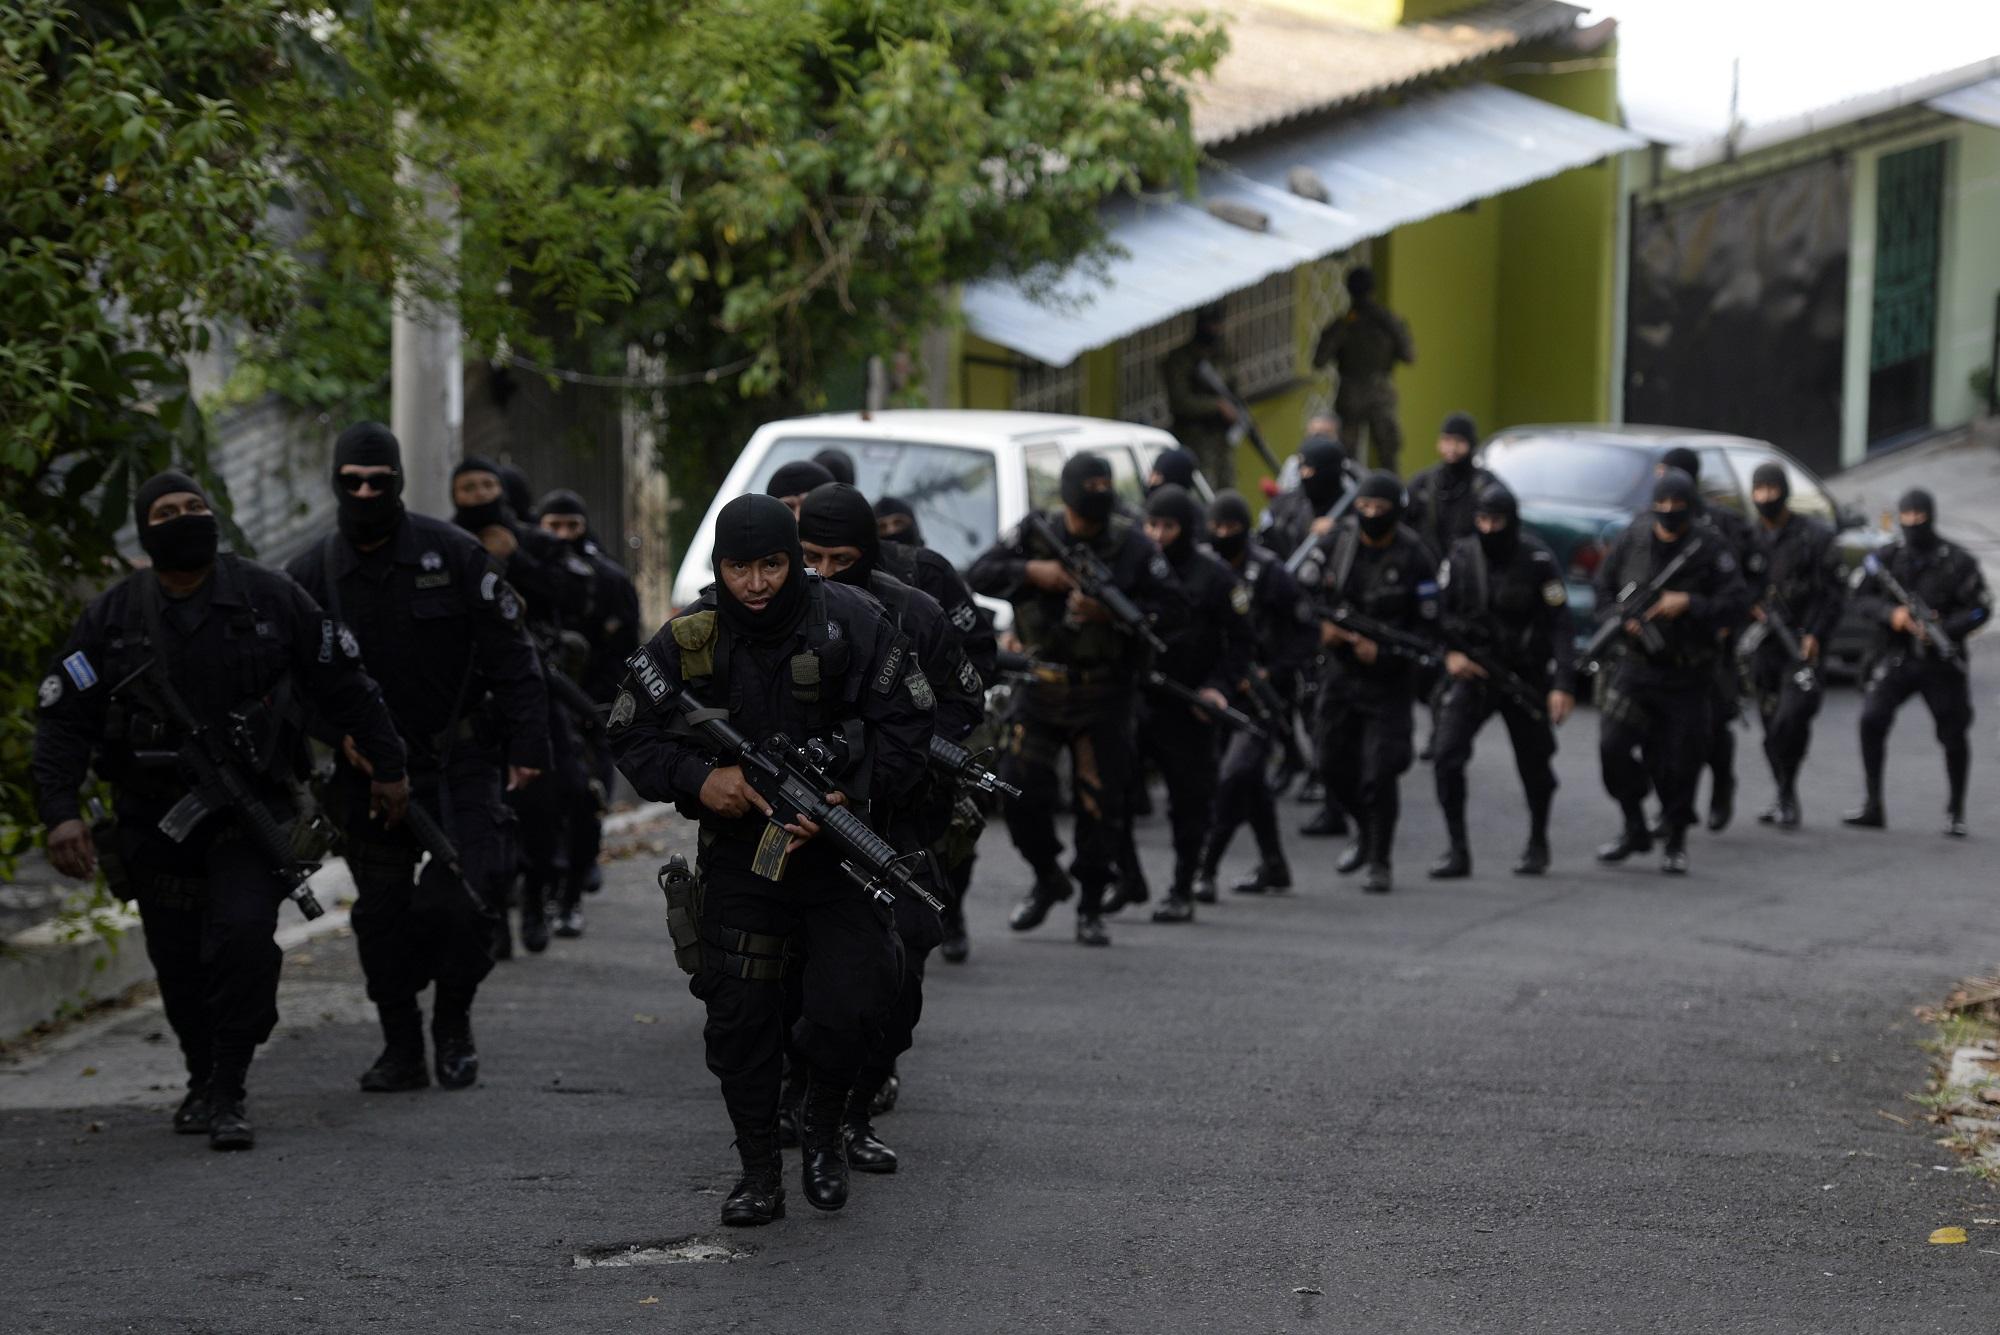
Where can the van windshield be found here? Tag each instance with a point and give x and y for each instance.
(951, 488)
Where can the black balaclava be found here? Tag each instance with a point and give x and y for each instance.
(1921, 537)
(1771, 475)
(747, 528)
(1382, 485)
(520, 496)
(1462, 426)
(367, 520)
(1328, 460)
(839, 465)
(1683, 458)
(1360, 283)
(1674, 485)
(1495, 499)
(1171, 501)
(836, 515)
(1208, 322)
(797, 478)
(185, 542)
(563, 501)
(485, 515)
(1175, 466)
(1093, 507)
(913, 536)
(1229, 507)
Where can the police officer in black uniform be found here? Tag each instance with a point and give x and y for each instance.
(792, 481)
(442, 632)
(228, 638)
(1502, 596)
(1734, 532)
(1177, 466)
(1444, 496)
(782, 651)
(553, 583)
(904, 555)
(1801, 587)
(1209, 654)
(1089, 713)
(1920, 651)
(1657, 705)
(837, 532)
(1283, 637)
(1374, 565)
(609, 627)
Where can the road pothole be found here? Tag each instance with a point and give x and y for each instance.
(681, 1251)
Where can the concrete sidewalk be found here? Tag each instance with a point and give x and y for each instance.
(1961, 469)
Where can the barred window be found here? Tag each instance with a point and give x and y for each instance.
(1260, 335)
(1049, 389)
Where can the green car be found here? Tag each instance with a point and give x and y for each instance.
(1579, 485)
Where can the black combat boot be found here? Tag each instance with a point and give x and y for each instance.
(822, 1147)
(1325, 825)
(1271, 877)
(956, 946)
(759, 1195)
(1454, 864)
(1954, 825)
(1355, 856)
(1674, 856)
(1204, 882)
(1867, 816)
(534, 914)
(791, 1095)
(228, 1125)
(1052, 886)
(568, 919)
(454, 1055)
(885, 1098)
(1634, 838)
(1721, 802)
(194, 1114)
(1179, 903)
(1534, 858)
(865, 1151)
(401, 1065)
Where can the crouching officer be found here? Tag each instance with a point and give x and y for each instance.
(1655, 724)
(786, 652)
(442, 632)
(223, 645)
(1510, 650)
(1925, 597)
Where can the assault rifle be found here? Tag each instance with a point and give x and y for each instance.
(792, 779)
(1932, 642)
(1297, 560)
(1093, 580)
(216, 762)
(1634, 601)
(1245, 425)
(1030, 669)
(424, 828)
(1411, 648)
(968, 768)
(1234, 719)
(1498, 675)
(1270, 710)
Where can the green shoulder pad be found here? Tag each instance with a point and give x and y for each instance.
(695, 634)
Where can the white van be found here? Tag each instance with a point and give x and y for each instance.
(969, 475)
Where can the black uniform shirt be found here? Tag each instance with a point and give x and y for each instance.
(1718, 599)
(921, 568)
(426, 607)
(1442, 500)
(1517, 609)
(1285, 633)
(1040, 617)
(1213, 647)
(959, 693)
(1947, 577)
(232, 643)
(1798, 568)
(611, 626)
(1396, 584)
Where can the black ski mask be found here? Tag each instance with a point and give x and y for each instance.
(184, 543)
(1170, 501)
(1324, 455)
(1381, 485)
(1092, 507)
(836, 515)
(1673, 488)
(1175, 466)
(892, 507)
(1771, 475)
(1229, 507)
(747, 528)
(368, 520)
(1461, 425)
(563, 501)
(839, 465)
(797, 478)
(1921, 536)
(473, 518)
(520, 496)
(1501, 544)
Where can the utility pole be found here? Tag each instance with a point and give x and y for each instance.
(427, 371)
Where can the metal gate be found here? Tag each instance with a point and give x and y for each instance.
(1909, 195)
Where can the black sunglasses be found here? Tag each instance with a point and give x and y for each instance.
(354, 482)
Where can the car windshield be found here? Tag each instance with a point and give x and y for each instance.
(952, 489)
(1576, 472)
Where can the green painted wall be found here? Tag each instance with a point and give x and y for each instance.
(1969, 275)
(982, 385)
(1558, 258)
(1443, 277)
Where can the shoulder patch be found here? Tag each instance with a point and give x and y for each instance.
(920, 690)
(326, 640)
(892, 664)
(1239, 599)
(623, 710)
(435, 579)
(51, 691)
(80, 671)
(431, 561)
(348, 644)
(1158, 567)
(696, 630)
(964, 617)
(1427, 588)
(489, 582)
(1554, 593)
(968, 677)
(1444, 574)
(510, 606)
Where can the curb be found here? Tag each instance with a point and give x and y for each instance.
(44, 974)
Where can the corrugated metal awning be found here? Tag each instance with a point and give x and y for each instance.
(1979, 102)
(1426, 157)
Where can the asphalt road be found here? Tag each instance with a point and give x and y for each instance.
(1598, 1101)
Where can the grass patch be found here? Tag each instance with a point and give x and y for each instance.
(1965, 1025)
